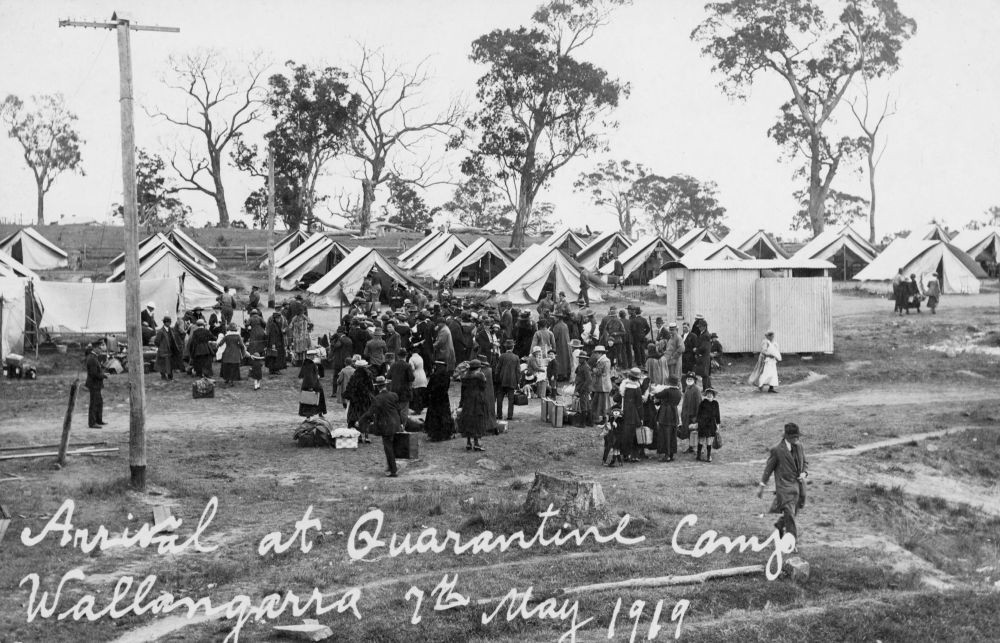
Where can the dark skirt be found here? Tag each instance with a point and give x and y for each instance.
(230, 372)
(309, 410)
(439, 424)
(256, 370)
(275, 362)
(417, 401)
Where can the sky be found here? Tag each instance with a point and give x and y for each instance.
(942, 159)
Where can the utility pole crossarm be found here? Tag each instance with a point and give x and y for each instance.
(114, 25)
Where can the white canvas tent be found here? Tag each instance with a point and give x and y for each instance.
(28, 247)
(930, 232)
(433, 255)
(476, 265)
(192, 249)
(643, 259)
(13, 294)
(319, 254)
(697, 235)
(200, 287)
(285, 246)
(418, 246)
(722, 251)
(566, 240)
(845, 247)
(611, 241)
(981, 245)
(149, 245)
(956, 271)
(10, 267)
(75, 307)
(342, 284)
(525, 278)
(759, 245)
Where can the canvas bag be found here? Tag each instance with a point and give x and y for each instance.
(310, 398)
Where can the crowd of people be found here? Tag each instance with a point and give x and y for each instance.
(647, 384)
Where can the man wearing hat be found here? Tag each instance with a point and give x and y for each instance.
(602, 385)
(638, 328)
(787, 461)
(165, 349)
(583, 388)
(95, 384)
(375, 351)
(507, 375)
(673, 350)
(506, 319)
(385, 418)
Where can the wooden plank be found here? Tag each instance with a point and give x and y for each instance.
(19, 456)
(67, 423)
(77, 445)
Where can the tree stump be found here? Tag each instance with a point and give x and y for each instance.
(798, 569)
(578, 501)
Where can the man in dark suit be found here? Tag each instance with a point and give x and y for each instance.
(787, 461)
(507, 377)
(385, 419)
(94, 384)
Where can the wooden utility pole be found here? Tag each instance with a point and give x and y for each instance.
(133, 329)
(270, 228)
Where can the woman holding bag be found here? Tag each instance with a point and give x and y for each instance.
(311, 398)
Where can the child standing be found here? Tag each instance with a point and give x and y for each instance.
(708, 423)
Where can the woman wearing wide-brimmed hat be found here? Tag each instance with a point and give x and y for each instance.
(474, 412)
(359, 394)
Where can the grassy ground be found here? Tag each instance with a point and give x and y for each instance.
(893, 558)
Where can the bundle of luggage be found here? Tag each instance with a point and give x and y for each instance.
(314, 432)
(203, 387)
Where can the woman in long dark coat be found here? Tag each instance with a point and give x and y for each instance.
(474, 418)
(275, 352)
(668, 420)
(439, 423)
(359, 393)
(310, 382)
(708, 423)
(631, 392)
(257, 337)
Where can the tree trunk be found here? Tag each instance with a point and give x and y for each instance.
(41, 205)
(367, 199)
(523, 213)
(817, 206)
(871, 187)
(220, 192)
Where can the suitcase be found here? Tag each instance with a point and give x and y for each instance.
(345, 443)
(501, 427)
(203, 387)
(406, 445)
(644, 436)
(558, 414)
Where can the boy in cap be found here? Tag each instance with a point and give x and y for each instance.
(787, 461)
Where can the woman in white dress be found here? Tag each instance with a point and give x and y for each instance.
(770, 355)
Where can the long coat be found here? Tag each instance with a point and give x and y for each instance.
(444, 349)
(786, 466)
(300, 334)
(703, 356)
(360, 392)
(690, 404)
(474, 420)
(439, 424)
(275, 349)
(708, 419)
(668, 419)
(602, 375)
(524, 331)
(564, 354)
